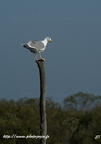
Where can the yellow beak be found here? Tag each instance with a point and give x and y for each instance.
(51, 41)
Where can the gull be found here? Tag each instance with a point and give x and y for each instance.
(37, 47)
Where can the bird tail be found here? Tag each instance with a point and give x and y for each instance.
(25, 46)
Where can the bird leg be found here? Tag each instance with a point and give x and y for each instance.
(36, 57)
(41, 57)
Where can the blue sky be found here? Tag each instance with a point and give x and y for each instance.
(73, 60)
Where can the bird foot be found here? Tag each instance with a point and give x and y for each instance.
(42, 59)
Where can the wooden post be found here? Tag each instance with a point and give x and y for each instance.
(43, 122)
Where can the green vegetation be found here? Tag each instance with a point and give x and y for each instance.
(76, 121)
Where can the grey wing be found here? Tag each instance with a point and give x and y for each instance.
(30, 48)
(36, 44)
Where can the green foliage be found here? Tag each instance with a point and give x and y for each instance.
(77, 121)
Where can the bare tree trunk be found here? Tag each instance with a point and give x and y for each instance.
(43, 122)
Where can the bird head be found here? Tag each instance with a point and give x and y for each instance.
(49, 39)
